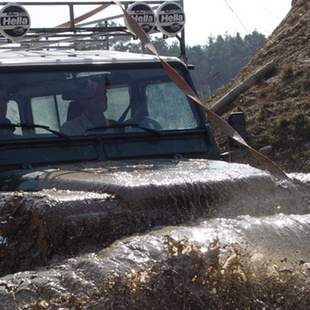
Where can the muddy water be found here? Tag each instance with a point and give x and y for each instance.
(237, 241)
(254, 263)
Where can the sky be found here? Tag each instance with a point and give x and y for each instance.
(203, 17)
(213, 17)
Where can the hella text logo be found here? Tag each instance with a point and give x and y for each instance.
(171, 18)
(14, 19)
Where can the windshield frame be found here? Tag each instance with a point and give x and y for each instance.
(201, 117)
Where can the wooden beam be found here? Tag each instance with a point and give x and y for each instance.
(225, 103)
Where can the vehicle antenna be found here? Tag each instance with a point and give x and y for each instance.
(236, 15)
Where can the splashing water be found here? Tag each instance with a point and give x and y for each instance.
(183, 242)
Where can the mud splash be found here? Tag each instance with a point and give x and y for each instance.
(204, 234)
(244, 263)
(125, 199)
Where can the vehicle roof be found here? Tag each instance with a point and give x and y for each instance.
(68, 57)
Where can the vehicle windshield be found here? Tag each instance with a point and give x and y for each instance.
(82, 103)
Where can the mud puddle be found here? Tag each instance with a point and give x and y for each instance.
(202, 236)
(242, 263)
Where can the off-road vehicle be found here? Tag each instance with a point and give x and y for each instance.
(99, 145)
(87, 136)
(52, 118)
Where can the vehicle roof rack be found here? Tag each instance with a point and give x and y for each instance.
(77, 31)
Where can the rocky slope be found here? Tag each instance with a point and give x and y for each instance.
(278, 109)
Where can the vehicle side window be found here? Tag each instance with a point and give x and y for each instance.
(45, 112)
(118, 101)
(166, 103)
(13, 115)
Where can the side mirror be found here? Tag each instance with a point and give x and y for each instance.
(238, 122)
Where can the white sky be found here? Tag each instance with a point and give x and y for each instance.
(204, 17)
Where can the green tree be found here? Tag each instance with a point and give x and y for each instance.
(216, 62)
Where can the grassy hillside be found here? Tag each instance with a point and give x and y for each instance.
(278, 109)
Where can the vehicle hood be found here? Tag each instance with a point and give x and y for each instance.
(157, 180)
(130, 177)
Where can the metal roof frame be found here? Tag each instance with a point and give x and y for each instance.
(76, 32)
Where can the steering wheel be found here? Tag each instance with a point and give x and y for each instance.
(149, 123)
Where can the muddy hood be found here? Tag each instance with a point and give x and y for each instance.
(200, 181)
(140, 179)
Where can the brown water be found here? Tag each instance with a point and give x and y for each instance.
(181, 246)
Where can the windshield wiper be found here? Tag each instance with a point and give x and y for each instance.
(31, 126)
(125, 125)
